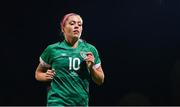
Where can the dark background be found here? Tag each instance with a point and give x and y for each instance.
(138, 42)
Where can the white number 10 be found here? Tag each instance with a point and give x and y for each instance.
(74, 63)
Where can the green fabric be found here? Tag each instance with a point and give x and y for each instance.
(70, 85)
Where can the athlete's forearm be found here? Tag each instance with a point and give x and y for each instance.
(97, 75)
(40, 76)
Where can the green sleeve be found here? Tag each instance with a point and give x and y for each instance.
(96, 55)
(45, 57)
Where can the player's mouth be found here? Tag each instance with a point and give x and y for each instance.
(76, 32)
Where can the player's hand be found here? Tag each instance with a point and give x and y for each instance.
(49, 75)
(89, 59)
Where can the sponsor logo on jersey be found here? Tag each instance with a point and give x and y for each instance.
(63, 54)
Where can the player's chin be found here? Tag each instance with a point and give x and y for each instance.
(77, 36)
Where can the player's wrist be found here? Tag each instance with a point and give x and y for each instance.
(92, 68)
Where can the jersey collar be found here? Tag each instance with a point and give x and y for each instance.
(64, 44)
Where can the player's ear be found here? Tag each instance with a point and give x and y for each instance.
(62, 30)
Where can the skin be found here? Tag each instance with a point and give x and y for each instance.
(72, 30)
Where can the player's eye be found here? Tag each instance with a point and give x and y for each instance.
(72, 23)
(79, 24)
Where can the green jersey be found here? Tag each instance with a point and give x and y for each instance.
(70, 85)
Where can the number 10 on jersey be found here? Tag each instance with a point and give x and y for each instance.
(74, 63)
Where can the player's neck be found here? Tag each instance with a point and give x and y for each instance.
(71, 42)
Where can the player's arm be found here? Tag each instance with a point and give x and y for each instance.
(43, 73)
(97, 75)
(96, 72)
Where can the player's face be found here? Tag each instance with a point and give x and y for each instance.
(73, 27)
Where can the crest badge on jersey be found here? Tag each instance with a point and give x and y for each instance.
(83, 54)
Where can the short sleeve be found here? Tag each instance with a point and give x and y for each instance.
(97, 61)
(45, 57)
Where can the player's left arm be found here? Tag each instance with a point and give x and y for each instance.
(96, 71)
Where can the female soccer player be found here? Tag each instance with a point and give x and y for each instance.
(68, 65)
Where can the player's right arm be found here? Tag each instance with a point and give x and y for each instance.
(43, 73)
